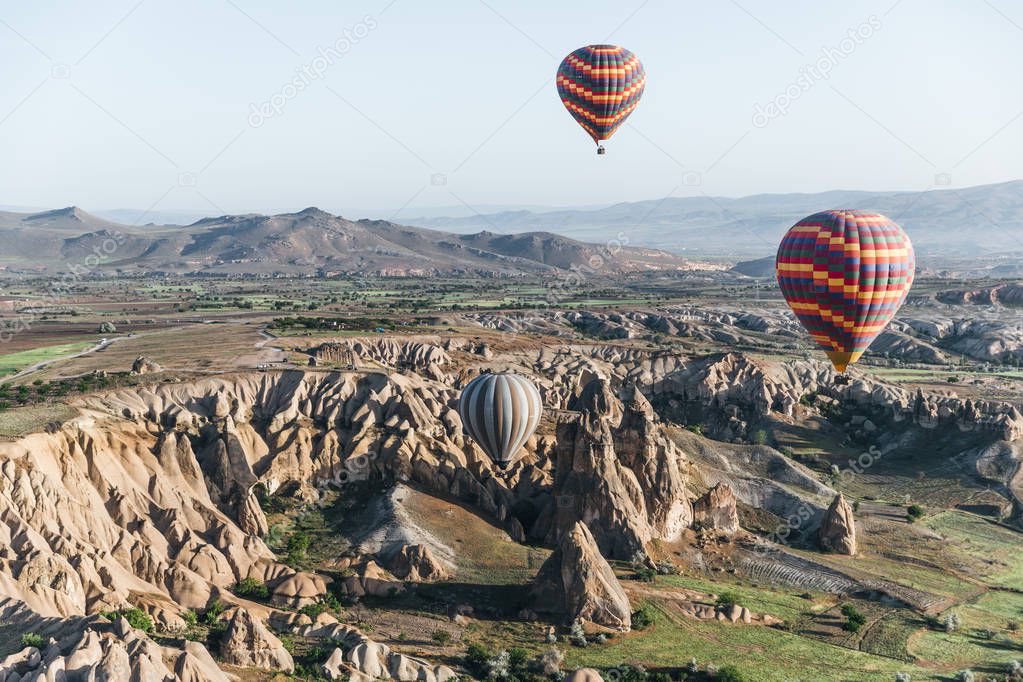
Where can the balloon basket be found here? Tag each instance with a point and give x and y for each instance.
(841, 380)
(600, 150)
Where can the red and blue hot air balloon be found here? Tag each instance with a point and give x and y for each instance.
(845, 274)
(601, 85)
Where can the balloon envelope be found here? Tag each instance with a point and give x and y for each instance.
(600, 85)
(500, 412)
(845, 274)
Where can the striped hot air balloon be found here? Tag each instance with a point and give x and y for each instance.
(600, 85)
(845, 274)
(500, 412)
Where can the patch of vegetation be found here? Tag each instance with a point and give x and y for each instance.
(914, 512)
(727, 600)
(854, 618)
(642, 618)
(32, 639)
(136, 617)
(250, 588)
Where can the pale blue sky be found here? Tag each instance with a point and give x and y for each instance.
(113, 103)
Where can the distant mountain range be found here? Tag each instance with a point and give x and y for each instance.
(975, 231)
(305, 243)
(972, 222)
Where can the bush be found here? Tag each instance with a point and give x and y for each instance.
(107, 328)
(696, 428)
(190, 617)
(214, 610)
(903, 677)
(476, 658)
(441, 637)
(759, 437)
(250, 588)
(550, 661)
(952, 622)
(136, 617)
(854, 619)
(32, 639)
(577, 635)
(914, 512)
(642, 619)
(727, 600)
(730, 673)
(298, 545)
(965, 676)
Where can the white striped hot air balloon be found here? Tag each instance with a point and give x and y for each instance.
(500, 412)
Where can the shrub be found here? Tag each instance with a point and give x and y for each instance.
(190, 617)
(250, 588)
(214, 610)
(903, 677)
(298, 545)
(854, 619)
(32, 639)
(476, 658)
(136, 617)
(965, 676)
(577, 635)
(952, 623)
(730, 673)
(728, 599)
(759, 437)
(441, 637)
(696, 428)
(914, 512)
(550, 661)
(642, 618)
(499, 667)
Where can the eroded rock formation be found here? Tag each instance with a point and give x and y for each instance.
(838, 529)
(578, 583)
(716, 510)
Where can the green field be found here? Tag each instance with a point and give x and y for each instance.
(764, 654)
(974, 536)
(15, 362)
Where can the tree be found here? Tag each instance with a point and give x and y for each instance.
(953, 623)
(914, 512)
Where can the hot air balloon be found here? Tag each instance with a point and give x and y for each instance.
(844, 274)
(600, 85)
(500, 412)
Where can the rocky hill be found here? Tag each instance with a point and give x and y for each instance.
(305, 243)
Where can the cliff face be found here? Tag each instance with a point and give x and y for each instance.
(618, 474)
